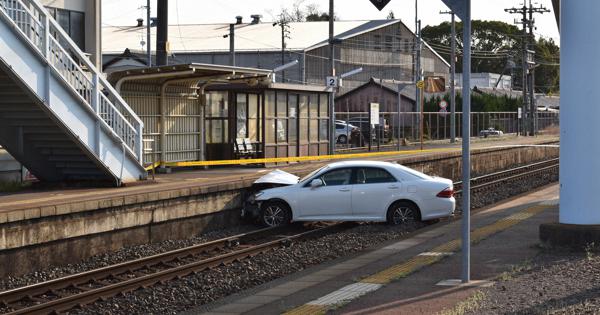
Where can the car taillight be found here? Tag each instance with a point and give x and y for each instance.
(446, 193)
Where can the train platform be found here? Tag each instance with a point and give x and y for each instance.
(47, 201)
(409, 276)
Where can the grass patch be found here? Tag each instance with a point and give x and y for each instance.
(526, 265)
(470, 304)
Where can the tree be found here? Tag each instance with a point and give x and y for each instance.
(493, 43)
(547, 74)
(303, 13)
(391, 15)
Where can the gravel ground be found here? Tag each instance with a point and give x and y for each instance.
(553, 283)
(208, 286)
(219, 282)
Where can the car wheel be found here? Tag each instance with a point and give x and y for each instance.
(275, 213)
(403, 213)
(342, 139)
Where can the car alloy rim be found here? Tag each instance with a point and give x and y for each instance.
(403, 215)
(273, 216)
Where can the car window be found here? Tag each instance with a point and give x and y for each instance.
(337, 177)
(372, 175)
(338, 126)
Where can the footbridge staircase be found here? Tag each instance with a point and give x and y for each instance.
(58, 115)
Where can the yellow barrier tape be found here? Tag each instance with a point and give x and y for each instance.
(152, 166)
(302, 158)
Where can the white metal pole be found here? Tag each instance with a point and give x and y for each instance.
(466, 144)
(453, 83)
(579, 147)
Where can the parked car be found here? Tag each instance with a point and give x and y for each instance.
(364, 124)
(343, 131)
(351, 191)
(490, 132)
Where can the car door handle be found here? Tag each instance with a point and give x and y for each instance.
(345, 189)
(393, 187)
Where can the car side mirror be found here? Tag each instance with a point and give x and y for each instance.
(316, 183)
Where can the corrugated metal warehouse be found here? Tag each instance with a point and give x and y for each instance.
(383, 48)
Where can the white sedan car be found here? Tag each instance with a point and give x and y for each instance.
(352, 191)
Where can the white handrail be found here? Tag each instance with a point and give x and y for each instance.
(48, 33)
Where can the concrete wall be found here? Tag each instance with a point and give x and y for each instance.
(35, 238)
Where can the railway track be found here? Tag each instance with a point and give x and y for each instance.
(500, 178)
(63, 294)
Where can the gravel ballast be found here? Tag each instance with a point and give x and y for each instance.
(552, 283)
(210, 285)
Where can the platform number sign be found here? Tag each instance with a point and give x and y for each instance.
(332, 82)
(380, 4)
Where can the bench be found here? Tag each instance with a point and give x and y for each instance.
(244, 148)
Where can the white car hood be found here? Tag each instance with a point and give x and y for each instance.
(278, 177)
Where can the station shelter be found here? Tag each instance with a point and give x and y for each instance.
(205, 112)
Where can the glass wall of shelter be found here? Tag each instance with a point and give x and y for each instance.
(276, 122)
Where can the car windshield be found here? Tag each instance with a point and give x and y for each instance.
(311, 174)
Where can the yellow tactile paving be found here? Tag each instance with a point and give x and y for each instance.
(420, 261)
(308, 309)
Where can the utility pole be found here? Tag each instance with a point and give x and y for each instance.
(452, 78)
(232, 44)
(332, 73)
(285, 31)
(418, 78)
(528, 64)
(162, 32)
(148, 34)
(533, 111)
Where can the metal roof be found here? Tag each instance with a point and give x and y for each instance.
(248, 37)
(212, 73)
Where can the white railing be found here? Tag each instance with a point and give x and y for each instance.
(35, 24)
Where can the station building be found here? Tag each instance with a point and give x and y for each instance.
(197, 112)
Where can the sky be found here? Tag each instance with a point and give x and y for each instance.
(121, 13)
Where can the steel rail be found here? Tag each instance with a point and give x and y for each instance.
(512, 174)
(153, 263)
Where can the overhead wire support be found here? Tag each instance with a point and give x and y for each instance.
(528, 63)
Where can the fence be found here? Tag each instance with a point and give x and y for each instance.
(437, 126)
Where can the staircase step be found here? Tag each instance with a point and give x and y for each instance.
(68, 158)
(24, 115)
(30, 122)
(15, 100)
(75, 165)
(31, 130)
(89, 171)
(19, 108)
(47, 138)
(55, 145)
(59, 151)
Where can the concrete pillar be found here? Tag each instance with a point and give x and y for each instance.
(580, 113)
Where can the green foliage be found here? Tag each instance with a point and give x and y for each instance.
(480, 102)
(491, 37)
(494, 43)
(547, 74)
